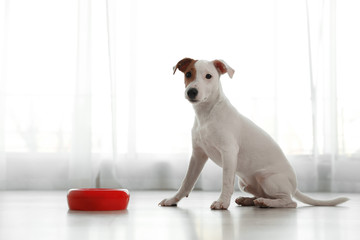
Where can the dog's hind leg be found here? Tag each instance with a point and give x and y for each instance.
(246, 201)
(279, 202)
(278, 190)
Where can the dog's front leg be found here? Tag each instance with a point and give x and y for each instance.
(229, 163)
(197, 162)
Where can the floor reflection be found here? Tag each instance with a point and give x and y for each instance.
(193, 219)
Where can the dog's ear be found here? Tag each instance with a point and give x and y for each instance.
(183, 64)
(223, 67)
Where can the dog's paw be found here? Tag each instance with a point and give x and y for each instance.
(219, 205)
(245, 201)
(169, 202)
(261, 202)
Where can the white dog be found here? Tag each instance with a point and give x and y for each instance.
(236, 144)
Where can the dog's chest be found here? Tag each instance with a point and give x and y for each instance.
(207, 138)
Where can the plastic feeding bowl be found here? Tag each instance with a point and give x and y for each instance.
(98, 199)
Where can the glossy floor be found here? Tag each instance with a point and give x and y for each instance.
(45, 215)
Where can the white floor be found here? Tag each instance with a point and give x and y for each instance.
(45, 215)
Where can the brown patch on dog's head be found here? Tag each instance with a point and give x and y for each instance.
(183, 64)
(186, 66)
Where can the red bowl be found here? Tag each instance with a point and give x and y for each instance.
(98, 199)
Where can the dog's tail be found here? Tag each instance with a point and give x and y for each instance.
(315, 202)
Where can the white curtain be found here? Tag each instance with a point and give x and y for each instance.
(88, 99)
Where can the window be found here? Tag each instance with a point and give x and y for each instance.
(87, 94)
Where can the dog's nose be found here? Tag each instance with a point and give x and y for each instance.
(192, 93)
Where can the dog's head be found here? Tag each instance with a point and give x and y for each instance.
(202, 77)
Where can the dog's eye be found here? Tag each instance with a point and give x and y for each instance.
(208, 76)
(188, 75)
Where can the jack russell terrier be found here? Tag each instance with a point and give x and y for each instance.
(236, 144)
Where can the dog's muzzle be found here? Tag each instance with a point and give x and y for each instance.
(192, 93)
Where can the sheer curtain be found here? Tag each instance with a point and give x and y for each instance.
(87, 95)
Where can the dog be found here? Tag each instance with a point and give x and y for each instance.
(236, 144)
